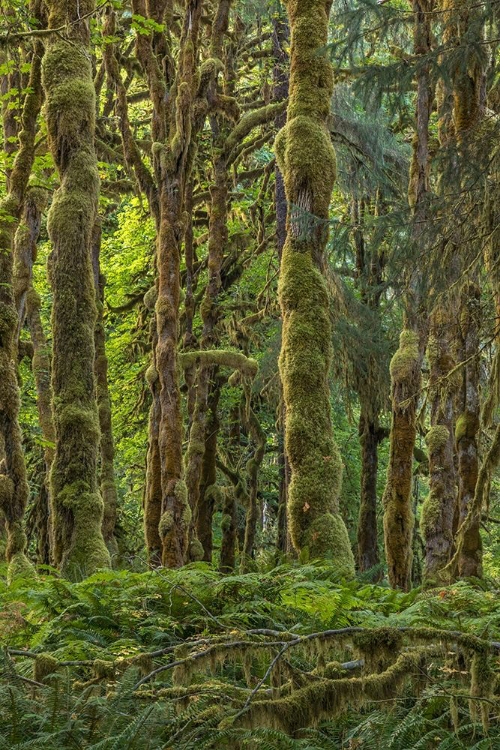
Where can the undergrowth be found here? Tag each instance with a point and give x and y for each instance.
(93, 664)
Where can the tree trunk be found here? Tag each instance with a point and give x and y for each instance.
(406, 364)
(107, 478)
(439, 508)
(307, 160)
(13, 483)
(467, 431)
(77, 504)
(370, 436)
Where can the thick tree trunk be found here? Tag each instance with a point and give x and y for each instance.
(77, 504)
(307, 160)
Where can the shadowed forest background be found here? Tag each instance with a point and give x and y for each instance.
(249, 374)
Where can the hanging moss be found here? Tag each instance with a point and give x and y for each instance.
(466, 426)
(45, 665)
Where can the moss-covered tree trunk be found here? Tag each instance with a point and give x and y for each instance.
(208, 482)
(438, 510)
(28, 306)
(406, 364)
(107, 471)
(13, 482)
(307, 161)
(281, 39)
(467, 432)
(79, 547)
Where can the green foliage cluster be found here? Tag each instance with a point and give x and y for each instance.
(90, 648)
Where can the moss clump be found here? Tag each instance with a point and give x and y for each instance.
(45, 665)
(196, 551)
(406, 356)
(437, 438)
(466, 426)
(378, 647)
(104, 670)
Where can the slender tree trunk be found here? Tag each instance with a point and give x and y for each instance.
(438, 510)
(209, 492)
(370, 436)
(28, 305)
(13, 482)
(253, 466)
(77, 504)
(467, 432)
(407, 362)
(107, 477)
(281, 38)
(307, 160)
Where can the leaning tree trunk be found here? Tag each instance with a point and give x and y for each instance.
(77, 504)
(307, 160)
(13, 483)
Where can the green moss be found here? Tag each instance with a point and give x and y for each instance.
(306, 157)
(104, 670)
(149, 298)
(430, 515)
(151, 374)
(467, 426)
(45, 665)
(406, 357)
(19, 567)
(195, 550)
(437, 438)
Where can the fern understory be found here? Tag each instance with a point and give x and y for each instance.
(285, 658)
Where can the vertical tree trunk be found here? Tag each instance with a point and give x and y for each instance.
(307, 160)
(281, 38)
(77, 504)
(406, 364)
(107, 476)
(467, 431)
(439, 508)
(13, 482)
(370, 436)
(209, 492)
(28, 305)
